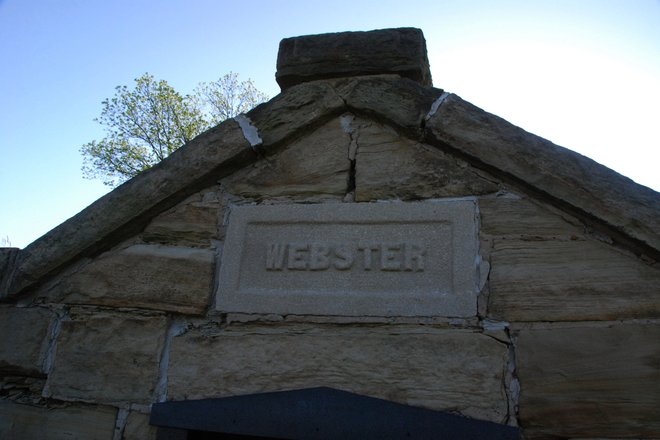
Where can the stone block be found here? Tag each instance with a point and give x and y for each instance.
(366, 259)
(451, 370)
(391, 99)
(390, 166)
(107, 358)
(570, 280)
(400, 51)
(284, 117)
(169, 278)
(138, 427)
(589, 382)
(315, 166)
(556, 171)
(515, 217)
(193, 222)
(58, 423)
(24, 339)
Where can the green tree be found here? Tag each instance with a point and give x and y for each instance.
(228, 97)
(146, 124)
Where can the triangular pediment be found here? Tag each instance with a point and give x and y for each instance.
(445, 147)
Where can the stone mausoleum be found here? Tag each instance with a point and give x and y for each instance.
(363, 256)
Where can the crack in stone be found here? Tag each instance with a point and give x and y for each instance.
(510, 383)
(120, 424)
(339, 95)
(176, 328)
(53, 335)
(346, 121)
(512, 389)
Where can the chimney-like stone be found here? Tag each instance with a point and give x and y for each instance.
(399, 51)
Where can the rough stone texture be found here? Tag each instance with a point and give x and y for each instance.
(24, 339)
(586, 382)
(66, 423)
(564, 175)
(439, 369)
(303, 108)
(565, 179)
(138, 428)
(157, 277)
(513, 217)
(400, 102)
(193, 222)
(7, 263)
(21, 388)
(107, 358)
(128, 208)
(390, 166)
(381, 259)
(315, 166)
(401, 51)
(570, 280)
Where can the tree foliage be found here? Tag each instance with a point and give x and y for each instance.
(228, 97)
(146, 124)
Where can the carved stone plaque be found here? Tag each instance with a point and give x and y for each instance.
(351, 259)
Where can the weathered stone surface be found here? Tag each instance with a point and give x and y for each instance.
(401, 51)
(7, 264)
(303, 107)
(193, 222)
(314, 166)
(390, 166)
(570, 280)
(586, 382)
(157, 277)
(21, 388)
(439, 369)
(477, 137)
(128, 208)
(375, 259)
(107, 358)
(66, 423)
(138, 428)
(24, 339)
(561, 173)
(399, 102)
(515, 217)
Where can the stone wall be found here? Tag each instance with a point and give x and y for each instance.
(564, 343)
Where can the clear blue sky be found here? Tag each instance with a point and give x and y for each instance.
(584, 74)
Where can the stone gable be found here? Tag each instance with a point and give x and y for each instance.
(122, 306)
